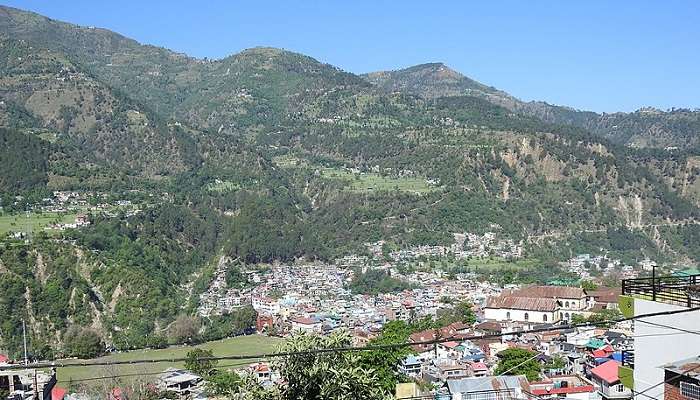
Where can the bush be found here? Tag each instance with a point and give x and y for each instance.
(83, 342)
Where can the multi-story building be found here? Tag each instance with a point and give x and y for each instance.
(522, 309)
(25, 384)
(663, 339)
(682, 379)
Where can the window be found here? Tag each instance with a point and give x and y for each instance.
(527, 317)
(566, 316)
(508, 315)
(619, 388)
(566, 304)
(544, 318)
(690, 390)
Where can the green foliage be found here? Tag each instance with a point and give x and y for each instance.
(24, 163)
(83, 343)
(223, 383)
(376, 281)
(518, 362)
(588, 286)
(460, 312)
(332, 375)
(235, 278)
(198, 363)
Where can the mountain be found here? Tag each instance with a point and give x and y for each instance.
(643, 128)
(269, 155)
(430, 81)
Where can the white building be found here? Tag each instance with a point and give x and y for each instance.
(304, 324)
(489, 388)
(653, 347)
(523, 309)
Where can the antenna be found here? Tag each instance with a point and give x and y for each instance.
(24, 338)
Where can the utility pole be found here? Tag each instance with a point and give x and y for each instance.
(36, 388)
(24, 339)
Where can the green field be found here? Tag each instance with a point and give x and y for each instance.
(223, 186)
(241, 345)
(34, 223)
(496, 263)
(370, 182)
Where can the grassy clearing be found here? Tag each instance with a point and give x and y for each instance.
(500, 263)
(223, 186)
(370, 182)
(241, 345)
(33, 223)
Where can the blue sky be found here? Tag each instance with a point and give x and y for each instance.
(593, 55)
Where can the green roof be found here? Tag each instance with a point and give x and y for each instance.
(688, 272)
(595, 343)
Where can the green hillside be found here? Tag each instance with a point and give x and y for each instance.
(269, 155)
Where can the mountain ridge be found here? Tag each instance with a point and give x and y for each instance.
(646, 127)
(273, 156)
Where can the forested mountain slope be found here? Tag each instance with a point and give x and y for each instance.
(269, 155)
(642, 128)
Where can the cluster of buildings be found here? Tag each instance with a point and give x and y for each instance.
(28, 384)
(465, 246)
(588, 266)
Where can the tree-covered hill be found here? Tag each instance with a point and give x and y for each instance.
(269, 155)
(642, 128)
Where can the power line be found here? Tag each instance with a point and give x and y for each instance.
(144, 373)
(671, 327)
(347, 349)
(669, 380)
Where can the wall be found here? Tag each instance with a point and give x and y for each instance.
(651, 352)
(501, 314)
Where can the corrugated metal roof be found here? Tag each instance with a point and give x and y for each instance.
(486, 383)
(560, 292)
(523, 303)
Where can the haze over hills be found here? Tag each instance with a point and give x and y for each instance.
(269, 155)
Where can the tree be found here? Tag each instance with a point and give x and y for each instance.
(518, 362)
(83, 342)
(185, 329)
(223, 383)
(331, 375)
(588, 286)
(461, 312)
(555, 363)
(197, 363)
(604, 315)
(385, 361)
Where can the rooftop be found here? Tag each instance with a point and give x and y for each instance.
(523, 303)
(688, 367)
(488, 383)
(607, 371)
(560, 292)
(678, 290)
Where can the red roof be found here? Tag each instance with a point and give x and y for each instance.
(607, 371)
(599, 353)
(58, 393)
(564, 390)
(450, 345)
(304, 321)
(479, 366)
(4, 358)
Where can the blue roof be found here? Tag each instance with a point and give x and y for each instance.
(411, 360)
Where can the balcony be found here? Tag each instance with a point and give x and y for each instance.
(677, 290)
(628, 358)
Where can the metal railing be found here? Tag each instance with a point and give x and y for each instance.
(679, 290)
(628, 358)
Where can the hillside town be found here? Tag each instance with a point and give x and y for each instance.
(454, 361)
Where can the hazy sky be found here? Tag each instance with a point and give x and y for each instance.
(594, 55)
